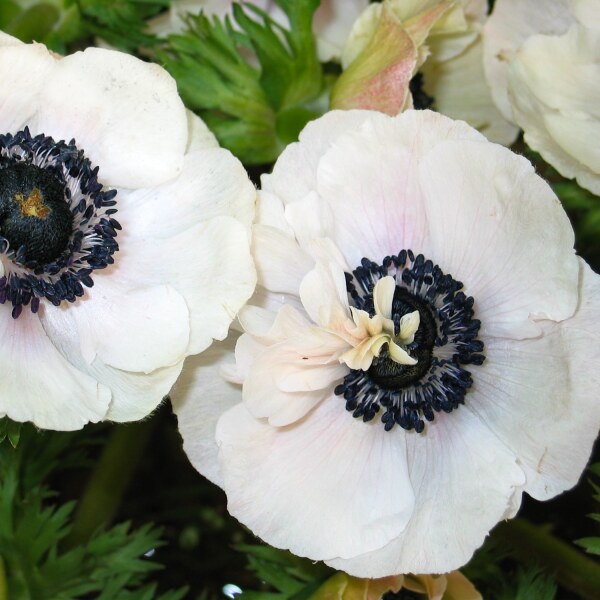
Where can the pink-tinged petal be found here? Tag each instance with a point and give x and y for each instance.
(288, 379)
(463, 477)
(326, 469)
(544, 392)
(378, 78)
(25, 70)
(378, 204)
(511, 23)
(494, 243)
(199, 398)
(123, 112)
(39, 384)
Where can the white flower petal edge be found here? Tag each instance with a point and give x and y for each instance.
(543, 68)
(126, 113)
(369, 501)
(183, 268)
(511, 23)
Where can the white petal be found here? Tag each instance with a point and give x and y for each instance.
(324, 296)
(124, 113)
(485, 231)
(511, 23)
(409, 324)
(329, 485)
(9, 40)
(132, 329)
(383, 295)
(39, 384)
(199, 398)
(540, 396)
(200, 137)
(209, 264)
(24, 71)
(461, 92)
(332, 23)
(270, 211)
(555, 102)
(463, 478)
(135, 395)
(280, 263)
(294, 174)
(213, 183)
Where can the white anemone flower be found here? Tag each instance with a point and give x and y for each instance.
(105, 181)
(396, 465)
(331, 24)
(543, 67)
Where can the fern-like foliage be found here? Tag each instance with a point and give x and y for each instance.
(35, 564)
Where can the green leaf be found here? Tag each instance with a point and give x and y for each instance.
(291, 73)
(122, 23)
(529, 584)
(290, 576)
(112, 564)
(591, 544)
(254, 110)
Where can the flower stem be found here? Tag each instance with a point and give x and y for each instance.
(571, 568)
(109, 479)
(3, 583)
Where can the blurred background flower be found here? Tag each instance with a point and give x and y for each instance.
(543, 67)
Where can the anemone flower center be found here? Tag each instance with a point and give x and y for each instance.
(391, 374)
(56, 221)
(33, 212)
(440, 346)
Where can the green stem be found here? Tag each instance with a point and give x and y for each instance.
(571, 568)
(3, 583)
(109, 479)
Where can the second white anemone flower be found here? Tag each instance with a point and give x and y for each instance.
(543, 68)
(124, 236)
(420, 351)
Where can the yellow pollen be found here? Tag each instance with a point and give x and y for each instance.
(33, 205)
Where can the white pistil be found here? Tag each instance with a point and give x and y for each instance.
(372, 333)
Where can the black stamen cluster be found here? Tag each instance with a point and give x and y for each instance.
(410, 394)
(57, 273)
